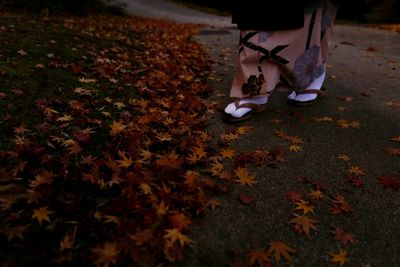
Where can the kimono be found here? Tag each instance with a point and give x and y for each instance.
(287, 41)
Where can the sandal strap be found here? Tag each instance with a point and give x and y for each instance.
(253, 106)
(309, 91)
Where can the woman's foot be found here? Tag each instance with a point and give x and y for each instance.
(309, 95)
(242, 109)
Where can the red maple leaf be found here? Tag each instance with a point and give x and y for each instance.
(389, 181)
(246, 199)
(342, 236)
(355, 181)
(294, 196)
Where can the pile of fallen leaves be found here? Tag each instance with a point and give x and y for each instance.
(102, 139)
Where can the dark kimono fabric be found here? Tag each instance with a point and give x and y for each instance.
(269, 15)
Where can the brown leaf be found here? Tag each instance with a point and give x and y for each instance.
(280, 249)
(261, 257)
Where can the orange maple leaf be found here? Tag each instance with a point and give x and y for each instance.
(304, 206)
(244, 177)
(227, 153)
(42, 214)
(125, 161)
(180, 221)
(295, 148)
(303, 224)
(243, 129)
(356, 170)
(117, 127)
(258, 256)
(280, 249)
(174, 235)
(316, 194)
(340, 257)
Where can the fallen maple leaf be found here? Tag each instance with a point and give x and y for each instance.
(246, 199)
(304, 206)
(389, 182)
(106, 255)
(356, 170)
(42, 214)
(294, 196)
(303, 224)
(244, 177)
(259, 256)
(180, 221)
(174, 235)
(213, 204)
(22, 52)
(316, 194)
(342, 236)
(84, 80)
(142, 237)
(355, 181)
(340, 257)
(125, 162)
(295, 148)
(117, 127)
(227, 153)
(344, 157)
(395, 138)
(243, 129)
(280, 249)
(323, 119)
(393, 151)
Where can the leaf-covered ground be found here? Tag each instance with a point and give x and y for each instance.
(102, 134)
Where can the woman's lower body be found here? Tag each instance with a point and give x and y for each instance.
(296, 56)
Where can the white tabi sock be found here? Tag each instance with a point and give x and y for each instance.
(237, 113)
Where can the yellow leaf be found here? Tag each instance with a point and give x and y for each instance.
(295, 148)
(42, 214)
(84, 80)
(340, 257)
(316, 194)
(304, 206)
(229, 137)
(117, 127)
(323, 119)
(356, 170)
(174, 235)
(244, 177)
(125, 162)
(227, 153)
(243, 129)
(65, 118)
